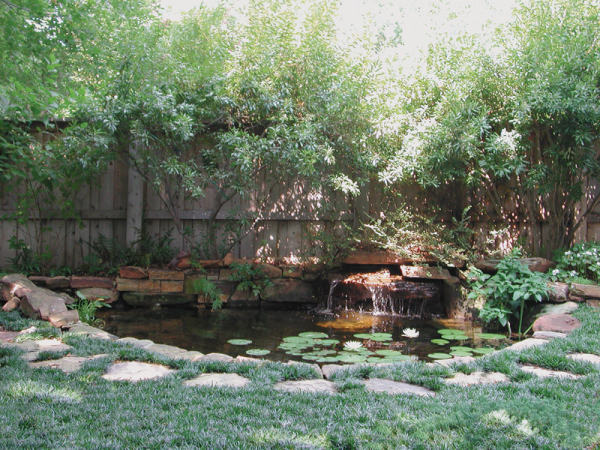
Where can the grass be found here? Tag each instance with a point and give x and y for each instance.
(47, 409)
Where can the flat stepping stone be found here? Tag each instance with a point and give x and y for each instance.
(329, 369)
(135, 371)
(68, 364)
(461, 379)
(232, 380)
(138, 343)
(586, 357)
(396, 387)
(547, 373)
(6, 336)
(88, 330)
(527, 343)
(218, 357)
(319, 386)
(549, 335)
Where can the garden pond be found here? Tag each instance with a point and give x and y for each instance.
(309, 336)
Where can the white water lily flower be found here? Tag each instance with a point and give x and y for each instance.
(410, 333)
(352, 345)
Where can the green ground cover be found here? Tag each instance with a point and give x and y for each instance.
(47, 409)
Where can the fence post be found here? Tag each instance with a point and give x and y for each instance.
(135, 199)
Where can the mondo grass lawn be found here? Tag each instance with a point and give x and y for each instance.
(47, 409)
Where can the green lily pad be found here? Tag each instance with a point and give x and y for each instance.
(381, 338)
(387, 352)
(351, 358)
(450, 331)
(326, 352)
(311, 357)
(458, 337)
(491, 336)
(459, 353)
(239, 341)
(329, 342)
(381, 335)
(439, 356)
(374, 359)
(458, 348)
(484, 350)
(363, 336)
(313, 335)
(397, 358)
(440, 341)
(258, 352)
(327, 359)
(298, 340)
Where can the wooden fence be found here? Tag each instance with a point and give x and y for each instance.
(120, 203)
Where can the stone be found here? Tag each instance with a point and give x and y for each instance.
(396, 387)
(149, 285)
(226, 287)
(172, 286)
(314, 386)
(541, 309)
(38, 281)
(135, 371)
(247, 359)
(455, 360)
(170, 351)
(58, 283)
(88, 330)
(138, 343)
(287, 290)
(593, 303)
(39, 304)
(559, 293)
(547, 373)
(91, 282)
(67, 364)
(456, 303)
(12, 304)
(375, 258)
(6, 336)
(585, 291)
(585, 357)
(180, 262)
(151, 299)
(127, 285)
(224, 274)
(219, 357)
(227, 380)
(62, 319)
(133, 272)
(461, 379)
(243, 299)
(5, 293)
(292, 272)
(311, 276)
(99, 294)
(561, 323)
(228, 259)
(425, 272)
(548, 335)
(168, 275)
(526, 343)
(270, 271)
(534, 264)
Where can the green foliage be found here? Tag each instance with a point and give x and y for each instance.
(249, 277)
(202, 286)
(415, 236)
(580, 261)
(25, 261)
(507, 291)
(87, 309)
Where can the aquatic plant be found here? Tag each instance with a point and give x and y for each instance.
(410, 333)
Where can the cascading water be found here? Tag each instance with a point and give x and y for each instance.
(333, 285)
(382, 300)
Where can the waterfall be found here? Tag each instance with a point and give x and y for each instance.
(334, 283)
(382, 299)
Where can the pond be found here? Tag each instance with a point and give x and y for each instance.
(309, 336)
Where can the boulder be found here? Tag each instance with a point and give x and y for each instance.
(289, 291)
(541, 309)
(534, 264)
(62, 319)
(425, 272)
(168, 275)
(100, 294)
(456, 304)
(41, 305)
(91, 282)
(243, 299)
(559, 293)
(270, 270)
(132, 272)
(58, 283)
(12, 304)
(585, 291)
(39, 281)
(560, 323)
(292, 272)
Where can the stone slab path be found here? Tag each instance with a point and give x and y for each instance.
(320, 386)
(396, 387)
(232, 380)
(135, 371)
(547, 373)
(68, 364)
(462, 379)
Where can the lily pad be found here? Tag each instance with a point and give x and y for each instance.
(484, 350)
(396, 358)
(387, 352)
(458, 348)
(363, 336)
(313, 335)
(458, 337)
(460, 353)
(450, 331)
(381, 335)
(258, 352)
(381, 338)
(298, 340)
(344, 357)
(439, 356)
(491, 336)
(239, 341)
(440, 341)
(329, 342)
(311, 357)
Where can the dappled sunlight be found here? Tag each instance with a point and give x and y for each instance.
(28, 389)
(276, 438)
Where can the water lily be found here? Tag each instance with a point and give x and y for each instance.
(410, 333)
(353, 345)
